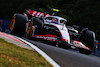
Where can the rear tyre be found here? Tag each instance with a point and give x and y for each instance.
(39, 25)
(18, 26)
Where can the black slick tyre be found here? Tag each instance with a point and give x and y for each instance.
(39, 25)
(18, 26)
(89, 39)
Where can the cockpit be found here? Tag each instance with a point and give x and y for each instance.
(55, 20)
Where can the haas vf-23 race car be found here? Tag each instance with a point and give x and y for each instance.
(52, 28)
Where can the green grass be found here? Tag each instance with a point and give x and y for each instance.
(15, 56)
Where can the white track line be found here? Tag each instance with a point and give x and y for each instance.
(50, 60)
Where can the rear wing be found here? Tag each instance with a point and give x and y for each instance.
(36, 13)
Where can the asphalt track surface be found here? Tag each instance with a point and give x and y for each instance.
(67, 57)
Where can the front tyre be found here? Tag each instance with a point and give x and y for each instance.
(89, 39)
(84, 51)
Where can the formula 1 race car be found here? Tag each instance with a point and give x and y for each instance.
(52, 28)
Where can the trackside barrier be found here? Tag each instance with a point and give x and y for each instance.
(4, 25)
(98, 49)
(51, 61)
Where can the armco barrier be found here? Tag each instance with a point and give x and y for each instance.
(98, 49)
(4, 25)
